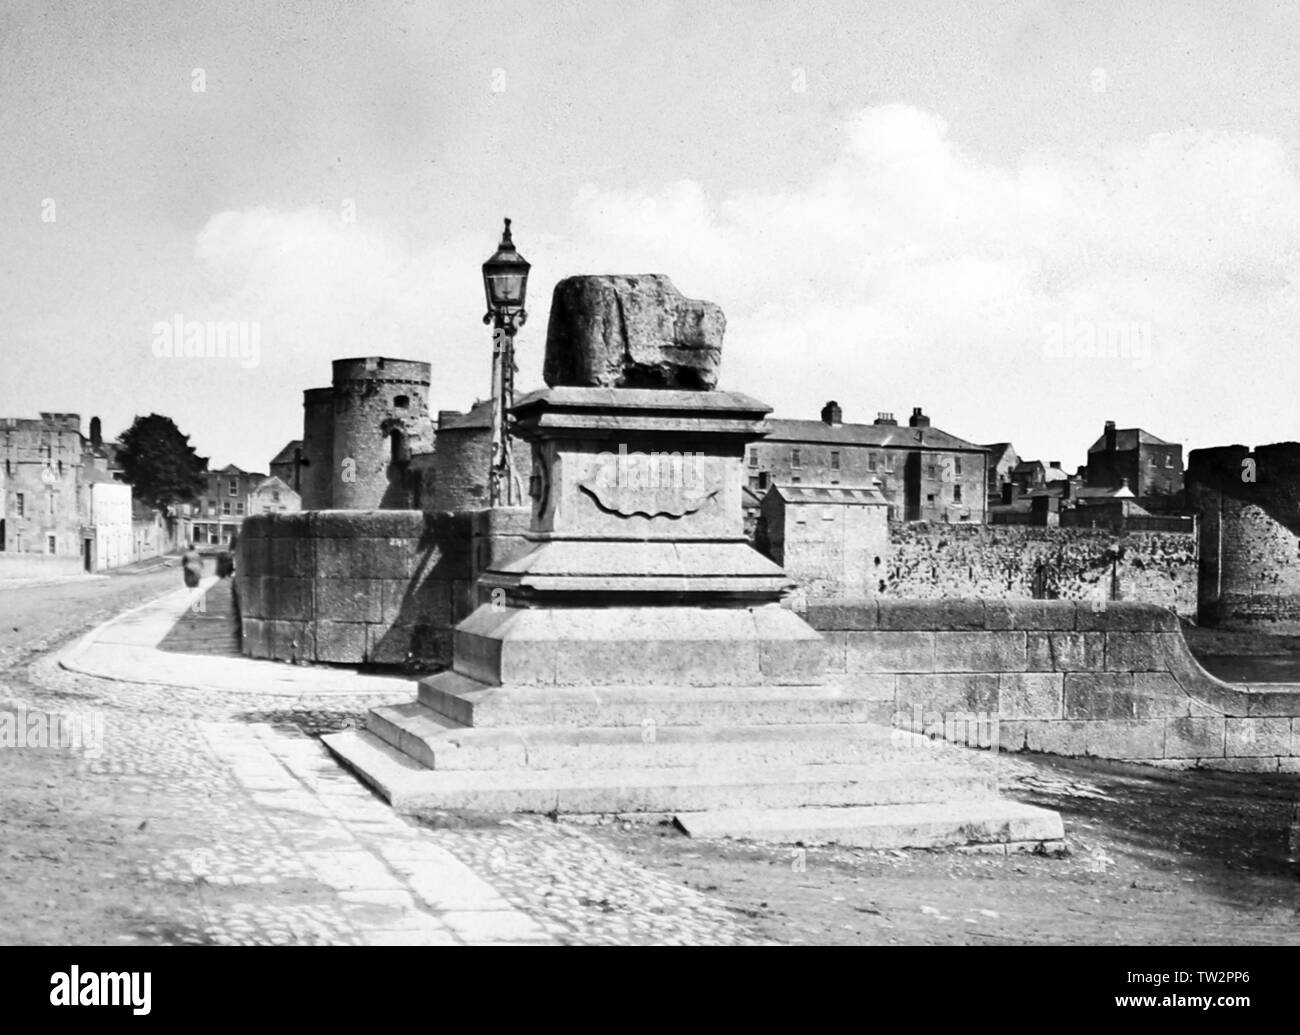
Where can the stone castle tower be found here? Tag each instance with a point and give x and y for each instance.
(359, 434)
(1248, 509)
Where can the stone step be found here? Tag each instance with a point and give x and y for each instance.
(408, 785)
(441, 744)
(925, 825)
(472, 703)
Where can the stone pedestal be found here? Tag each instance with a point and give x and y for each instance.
(640, 574)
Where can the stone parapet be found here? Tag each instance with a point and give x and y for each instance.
(1061, 677)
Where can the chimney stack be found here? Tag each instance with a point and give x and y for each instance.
(918, 419)
(886, 418)
(832, 414)
(1111, 437)
(96, 433)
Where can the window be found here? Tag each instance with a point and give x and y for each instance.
(51, 544)
(275, 497)
(1169, 461)
(753, 458)
(401, 402)
(763, 479)
(956, 493)
(956, 466)
(239, 508)
(794, 478)
(22, 510)
(929, 498)
(225, 507)
(49, 496)
(795, 459)
(233, 489)
(835, 459)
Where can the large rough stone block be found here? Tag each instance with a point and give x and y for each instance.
(1029, 614)
(1194, 738)
(949, 692)
(1066, 651)
(1119, 739)
(1257, 737)
(341, 642)
(838, 615)
(889, 651)
(349, 600)
(631, 332)
(1030, 695)
(980, 652)
(934, 615)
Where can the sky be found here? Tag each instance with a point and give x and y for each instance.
(1025, 218)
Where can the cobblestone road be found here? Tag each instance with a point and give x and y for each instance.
(251, 834)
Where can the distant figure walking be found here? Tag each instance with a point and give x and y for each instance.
(192, 566)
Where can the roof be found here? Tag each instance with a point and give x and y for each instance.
(1028, 465)
(830, 494)
(229, 469)
(285, 456)
(1000, 449)
(1128, 438)
(273, 484)
(884, 435)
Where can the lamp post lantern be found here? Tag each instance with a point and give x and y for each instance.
(505, 283)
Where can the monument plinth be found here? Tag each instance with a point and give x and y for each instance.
(640, 573)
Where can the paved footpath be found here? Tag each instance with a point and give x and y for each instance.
(245, 814)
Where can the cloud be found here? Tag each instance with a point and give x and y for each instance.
(908, 267)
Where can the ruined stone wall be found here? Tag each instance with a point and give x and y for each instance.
(1008, 562)
(1249, 509)
(379, 586)
(1056, 676)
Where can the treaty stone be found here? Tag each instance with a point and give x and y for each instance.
(631, 331)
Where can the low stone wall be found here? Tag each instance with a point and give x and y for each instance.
(1059, 677)
(369, 586)
(1003, 562)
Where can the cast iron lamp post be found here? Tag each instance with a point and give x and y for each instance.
(505, 282)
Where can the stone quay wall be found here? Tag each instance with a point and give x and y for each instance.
(1019, 562)
(1058, 677)
(371, 586)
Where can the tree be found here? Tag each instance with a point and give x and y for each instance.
(159, 462)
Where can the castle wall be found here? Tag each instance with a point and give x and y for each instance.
(1008, 562)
